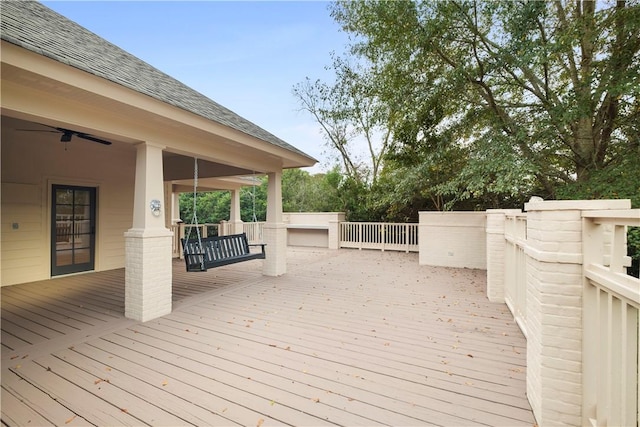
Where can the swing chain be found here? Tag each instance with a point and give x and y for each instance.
(194, 219)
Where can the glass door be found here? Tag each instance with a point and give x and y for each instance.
(73, 225)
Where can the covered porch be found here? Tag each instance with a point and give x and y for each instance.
(96, 146)
(347, 337)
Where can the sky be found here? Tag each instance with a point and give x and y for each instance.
(245, 55)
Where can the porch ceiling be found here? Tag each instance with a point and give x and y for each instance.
(178, 168)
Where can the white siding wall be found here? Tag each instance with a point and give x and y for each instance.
(31, 163)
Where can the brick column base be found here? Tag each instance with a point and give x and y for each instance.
(275, 236)
(147, 274)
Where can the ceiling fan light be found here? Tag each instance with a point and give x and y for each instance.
(66, 137)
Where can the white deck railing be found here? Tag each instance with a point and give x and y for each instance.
(610, 309)
(611, 303)
(377, 235)
(181, 230)
(516, 267)
(254, 231)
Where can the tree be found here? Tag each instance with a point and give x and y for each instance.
(350, 115)
(539, 94)
(297, 191)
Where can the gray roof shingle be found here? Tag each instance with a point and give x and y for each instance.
(35, 27)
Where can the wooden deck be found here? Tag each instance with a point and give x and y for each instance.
(345, 337)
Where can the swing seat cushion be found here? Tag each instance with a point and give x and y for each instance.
(217, 251)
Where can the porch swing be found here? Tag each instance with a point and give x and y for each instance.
(202, 253)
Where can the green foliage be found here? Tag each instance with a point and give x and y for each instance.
(633, 249)
(619, 181)
(536, 96)
(215, 206)
(253, 201)
(211, 207)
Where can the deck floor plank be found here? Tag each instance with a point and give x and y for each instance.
(35, 322)
(53, 317)
(444, 382)
(11, 342)
(440, 369)
(282, 391)
(75, 398)
(130, 377)
(41, 403)
(25, 329)
(326, 378)
(277, 403)
(77, 370)
(237, 406)
(338, 340)
(76, 310)
(21, 414)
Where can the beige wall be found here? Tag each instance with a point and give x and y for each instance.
(311, 229)
(31, 163)
(453, 239)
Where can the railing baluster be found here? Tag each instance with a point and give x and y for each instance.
(381, 236)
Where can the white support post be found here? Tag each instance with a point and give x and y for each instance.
(275, 230)
(148, 243)
(234, 216)
(175, 205)
(167, 202)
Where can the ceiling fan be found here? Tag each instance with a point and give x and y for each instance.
(67, 134)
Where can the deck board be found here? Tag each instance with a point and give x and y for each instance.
(344, 338)
(82, 372)
(143, 383)
(21, 414)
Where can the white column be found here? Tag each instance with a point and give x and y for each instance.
(275, 230)
(234, 216)
(148, 242)
(171, 215)
(175, 207)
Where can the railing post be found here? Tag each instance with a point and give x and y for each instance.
(554, 308)
(406, 235)
(334, 234)
(181, 236)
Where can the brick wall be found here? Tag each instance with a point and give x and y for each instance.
(453, 239)
(554, 301)
(148, 274)
(275, 236)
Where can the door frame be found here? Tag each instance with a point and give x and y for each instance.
(55, 270)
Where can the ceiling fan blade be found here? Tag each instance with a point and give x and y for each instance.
(83, 136)
(92, 138)
(68, 133)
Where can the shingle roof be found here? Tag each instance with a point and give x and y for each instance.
(35, 27)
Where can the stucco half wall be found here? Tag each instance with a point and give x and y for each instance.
(453, 239)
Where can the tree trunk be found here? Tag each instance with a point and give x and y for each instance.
(584, 149)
